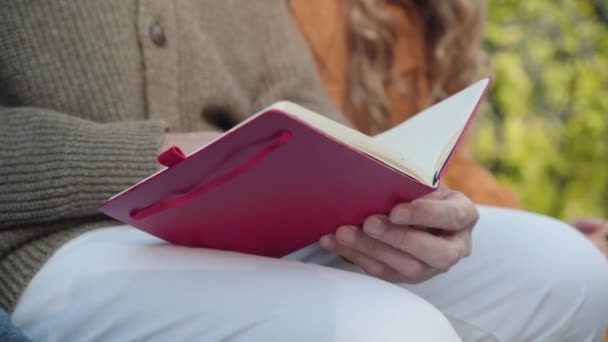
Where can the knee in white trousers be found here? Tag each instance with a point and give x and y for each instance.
(529, 278)
(118, 284)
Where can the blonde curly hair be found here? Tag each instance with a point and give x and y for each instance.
(453, 33)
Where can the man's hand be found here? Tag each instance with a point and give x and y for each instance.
(596, 230)
(187, 142)
(417, 241)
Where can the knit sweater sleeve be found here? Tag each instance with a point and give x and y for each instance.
(290, 70)
(55, 166)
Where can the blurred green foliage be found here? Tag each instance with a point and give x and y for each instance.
(545, 130)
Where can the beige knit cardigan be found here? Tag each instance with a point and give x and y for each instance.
(88, 87)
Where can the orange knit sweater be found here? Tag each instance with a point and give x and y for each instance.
(324, 26)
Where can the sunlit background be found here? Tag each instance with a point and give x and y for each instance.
(545, 130)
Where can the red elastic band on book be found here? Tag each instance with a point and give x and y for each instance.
(204, 187)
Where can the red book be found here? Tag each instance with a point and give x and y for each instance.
(283, 178)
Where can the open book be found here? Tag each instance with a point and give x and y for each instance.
(286, 176)
(419, 147)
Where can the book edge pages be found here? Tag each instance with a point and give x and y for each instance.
(354, 139)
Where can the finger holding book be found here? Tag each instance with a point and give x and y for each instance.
(417, 241)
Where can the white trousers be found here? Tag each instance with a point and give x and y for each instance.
(530, 278)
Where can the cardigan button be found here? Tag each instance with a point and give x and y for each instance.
(157, 35)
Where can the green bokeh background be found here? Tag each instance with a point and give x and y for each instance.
(544, 131)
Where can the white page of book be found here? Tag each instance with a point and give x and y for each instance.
(428, 137)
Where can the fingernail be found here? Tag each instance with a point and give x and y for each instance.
(374, 226)
(346, 235)
(401, 215)
(327, 242)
